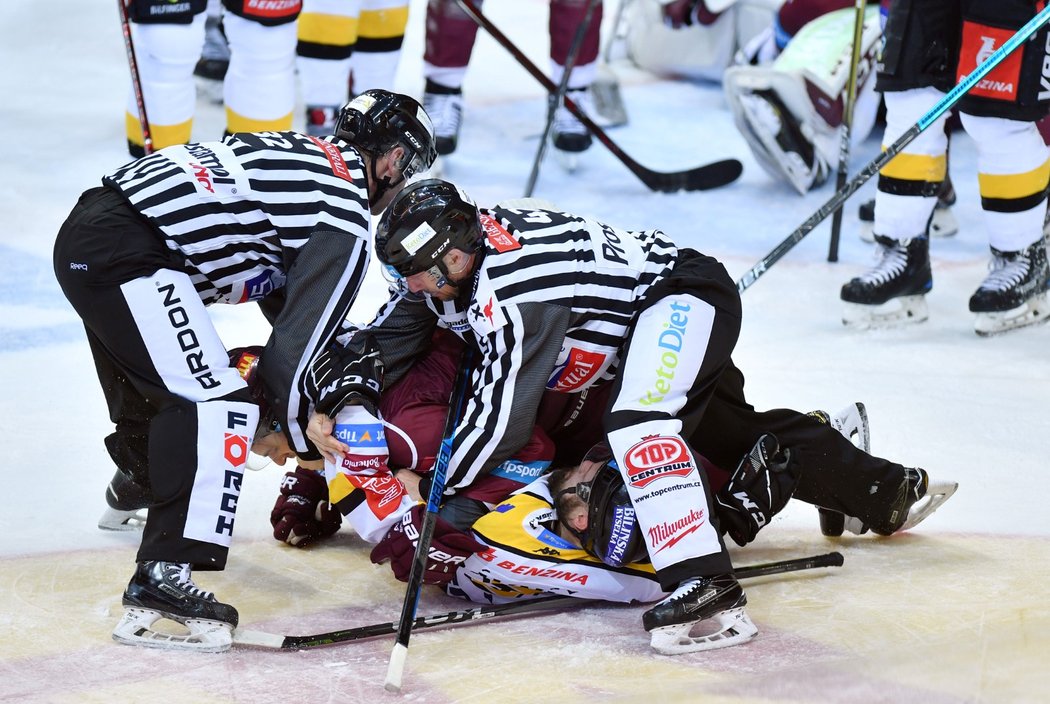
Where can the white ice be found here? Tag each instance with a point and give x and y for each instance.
(955, 611)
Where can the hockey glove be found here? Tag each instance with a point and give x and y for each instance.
(759, 488)
(448, 548)
(302, 514)
(340, 376)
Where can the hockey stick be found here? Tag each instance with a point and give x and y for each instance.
(136, 80)
(396, 668)
(274, 641)
(847, 127)
(711, 175)
(558, 96)
(891, 151)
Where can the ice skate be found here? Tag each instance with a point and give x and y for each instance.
(942, 224)
(894, 291)
(126, 503)
(917, 499)
(165, 590)
(702, 614)
(214, 61)
(569, 136)
(445, 108)
(1015, 293)
(320, 119)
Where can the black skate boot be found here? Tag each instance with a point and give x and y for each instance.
(568, 135)
(215, 55)
(917, 498)
(716, 602)
(165, 590)
(894, 290)
(444, 105)
(127, 502)
(1015, 293)
(942, 224)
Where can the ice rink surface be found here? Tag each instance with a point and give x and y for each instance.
(955, 611)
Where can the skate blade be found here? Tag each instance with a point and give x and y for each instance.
(732, 627)
(115, 519)
(136, 628)
(936, 494)
(570, 161)
(1036, 310)
(896, 311)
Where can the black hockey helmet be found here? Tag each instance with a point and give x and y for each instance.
(246, 361)
(424, 221)
(378, 120)
(613, 535)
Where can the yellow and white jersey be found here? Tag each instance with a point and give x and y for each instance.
(528, 559)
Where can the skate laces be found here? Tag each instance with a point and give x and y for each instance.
(179, 572)
(1007, 270)
(893, 258)
(564, 121)
(445, 111)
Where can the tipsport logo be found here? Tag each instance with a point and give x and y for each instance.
(360, 435)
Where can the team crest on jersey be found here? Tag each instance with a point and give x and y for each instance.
(576, 369)
(657, 457)
(497, 235)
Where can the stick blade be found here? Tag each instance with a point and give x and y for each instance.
(702, 178)
(258, 639)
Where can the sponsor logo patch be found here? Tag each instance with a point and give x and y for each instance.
(576, 371)
(498, 237)
(657, 457)
(978, 43)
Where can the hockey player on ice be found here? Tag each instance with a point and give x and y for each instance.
(554, 300)
(929, 46)
(450, 36)
(142, 256)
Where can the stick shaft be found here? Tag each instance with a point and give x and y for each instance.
(136, 79)
(482, 613)
(847, 126)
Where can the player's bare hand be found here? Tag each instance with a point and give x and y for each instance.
(319, 431)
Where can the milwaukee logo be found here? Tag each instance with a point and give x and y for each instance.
(670, 533)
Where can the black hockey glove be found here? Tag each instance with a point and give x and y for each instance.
(759, 489)
(340, 376)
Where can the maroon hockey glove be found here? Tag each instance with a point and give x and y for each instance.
(759, 489)
(448, 547)
(302, 514)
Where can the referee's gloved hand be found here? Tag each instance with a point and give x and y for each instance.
(340, 376)
(448, 548)
(759, 489)
(302, 514)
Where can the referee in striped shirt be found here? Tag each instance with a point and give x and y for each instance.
(277, 218)
(556, 301)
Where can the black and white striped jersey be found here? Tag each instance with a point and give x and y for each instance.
(551, 307)
(241, 212)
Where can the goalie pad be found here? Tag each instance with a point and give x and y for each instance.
(790, 112)
(696, 51)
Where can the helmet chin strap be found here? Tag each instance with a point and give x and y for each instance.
(381, 185)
